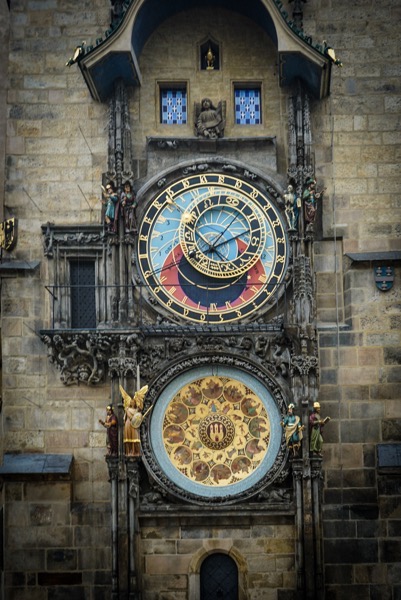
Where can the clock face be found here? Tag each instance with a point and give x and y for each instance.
(216, 432)
(212, 248)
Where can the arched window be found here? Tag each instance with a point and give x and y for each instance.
(219, 578)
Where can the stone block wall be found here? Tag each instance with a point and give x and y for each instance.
(262, 546)
(50, 543)
(56, 152)
(357, 159)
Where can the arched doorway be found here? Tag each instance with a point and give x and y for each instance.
(218, 578)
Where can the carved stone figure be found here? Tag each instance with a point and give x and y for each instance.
(316, 424)
(210, 121)
(111, 424)
(293, 430)
(281, 359)
(310, 198)
(290, 207)
(128, 206)
(112, 206)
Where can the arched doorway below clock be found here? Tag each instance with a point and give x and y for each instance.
(218, 578)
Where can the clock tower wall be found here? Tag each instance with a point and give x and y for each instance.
(172, 58)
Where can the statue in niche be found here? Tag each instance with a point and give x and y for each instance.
(133, 419)
(210, 121)
(292, 430)
(210, 58)
(111, 424)
(316, 424)
(128, 205)
(292, 205)
(111, 201)
(310, 199)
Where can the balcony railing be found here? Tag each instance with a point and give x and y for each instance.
(89, 307)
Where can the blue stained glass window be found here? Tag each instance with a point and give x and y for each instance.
(173, 106)
(247, 106)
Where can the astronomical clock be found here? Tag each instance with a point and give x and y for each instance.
(213, 252)
(212, 248)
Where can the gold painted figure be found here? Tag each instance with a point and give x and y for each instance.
(210, 58)
(133, 419)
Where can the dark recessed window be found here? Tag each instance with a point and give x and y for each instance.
(219, 578)
(173, 106)
(83, 299)
(247, 106)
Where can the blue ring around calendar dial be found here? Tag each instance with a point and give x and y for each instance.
(165, 453)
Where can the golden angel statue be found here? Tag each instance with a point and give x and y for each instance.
(133, 418)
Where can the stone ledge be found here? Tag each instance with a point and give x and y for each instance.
(389, 256)
(13, 267)
(38, 467)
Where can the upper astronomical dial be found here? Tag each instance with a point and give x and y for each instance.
(222, 234)
(212, 248)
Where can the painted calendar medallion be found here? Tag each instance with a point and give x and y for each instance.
(216, 433)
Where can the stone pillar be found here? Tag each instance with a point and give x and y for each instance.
(122, 367)
(112, 464)
(316, 477)
(297, 472)
(132, 465)
(4, 47)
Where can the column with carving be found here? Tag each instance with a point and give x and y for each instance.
(316, 477)
(304, 361)
(122, 367)
(300, 157)
(112, 463)
(120, 171)
(132, 465)
(297, 473)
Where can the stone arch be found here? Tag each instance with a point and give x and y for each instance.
(214, 546)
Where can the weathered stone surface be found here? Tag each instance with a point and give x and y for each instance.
(57, 139)
(351, 551)
(167, 564)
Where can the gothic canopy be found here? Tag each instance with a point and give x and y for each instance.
(116, 54)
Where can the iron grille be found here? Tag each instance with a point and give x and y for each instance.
(83, 300)
(219, 578)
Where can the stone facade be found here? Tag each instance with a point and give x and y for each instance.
(57, 528)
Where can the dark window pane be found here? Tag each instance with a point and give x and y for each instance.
(83, 302)
(219, 578)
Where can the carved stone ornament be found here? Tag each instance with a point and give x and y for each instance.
(239, 449)
(87, 357)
